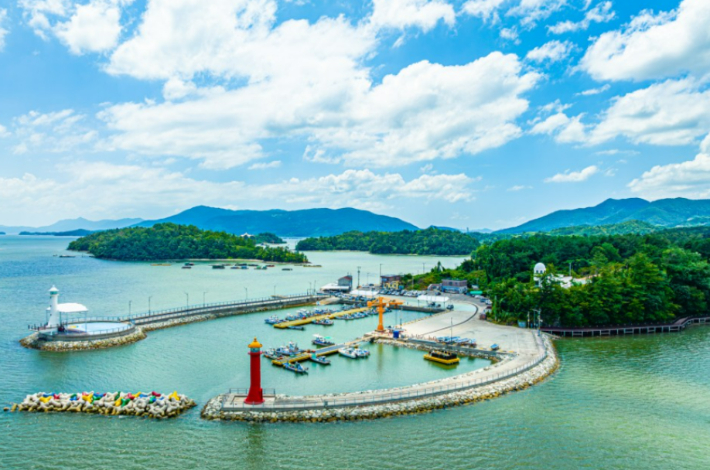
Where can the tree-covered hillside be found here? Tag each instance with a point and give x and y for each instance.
(432, 241)
(623, 279)
(171, 241)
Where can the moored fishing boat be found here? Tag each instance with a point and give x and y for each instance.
(272, 320)
(362, 353)
(319, 340)
(324, 322)
(295, 367)
(348, 352)
(442, 357)
(320, 359)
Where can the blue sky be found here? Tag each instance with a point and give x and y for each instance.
(463, 113)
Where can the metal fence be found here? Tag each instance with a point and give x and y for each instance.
(395, 395)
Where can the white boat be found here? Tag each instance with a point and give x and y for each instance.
(348, 352)
(362, 353)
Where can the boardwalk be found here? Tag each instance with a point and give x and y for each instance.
(673, 327)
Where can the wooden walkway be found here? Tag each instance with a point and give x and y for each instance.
(674, 327)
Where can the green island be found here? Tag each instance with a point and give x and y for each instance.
(590, 280)
(171, 241)
(431, 241)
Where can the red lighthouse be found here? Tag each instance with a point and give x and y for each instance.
(255, 395)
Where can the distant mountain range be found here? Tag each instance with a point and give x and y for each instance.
(298, 223)
(666, 213)
(69, 225)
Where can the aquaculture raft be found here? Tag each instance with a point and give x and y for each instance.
(150, 405)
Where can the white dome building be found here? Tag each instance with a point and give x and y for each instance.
(539, 269)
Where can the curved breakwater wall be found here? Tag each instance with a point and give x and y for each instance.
(213, 410)
(33, 341)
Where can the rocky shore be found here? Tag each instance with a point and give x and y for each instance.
(213, 409)
(150, 405)
(34, 342)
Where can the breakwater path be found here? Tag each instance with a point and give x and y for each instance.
(164, 318)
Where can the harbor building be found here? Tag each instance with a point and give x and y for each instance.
(391, 281)
(344, 285)
(451, 286)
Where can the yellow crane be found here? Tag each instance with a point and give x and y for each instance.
(381, 303)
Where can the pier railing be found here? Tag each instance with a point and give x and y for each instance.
(385, 396)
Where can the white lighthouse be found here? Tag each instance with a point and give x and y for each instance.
(54, 319)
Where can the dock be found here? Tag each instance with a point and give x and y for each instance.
(326, 351)
(329, 316)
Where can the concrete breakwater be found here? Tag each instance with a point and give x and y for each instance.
(538, 371)
(33, 341)
(167, 319)
(151, 405)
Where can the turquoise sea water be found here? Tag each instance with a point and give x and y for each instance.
(640, 402)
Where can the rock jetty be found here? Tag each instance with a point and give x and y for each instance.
(34, 342)
(213, 409)
(150, 405)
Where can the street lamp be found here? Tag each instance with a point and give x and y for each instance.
(129, 307)
(246, 293)
(274, 289)
(203, 298)
(187, 299)
(149, 297)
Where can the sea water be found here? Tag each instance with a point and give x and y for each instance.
(641, 402)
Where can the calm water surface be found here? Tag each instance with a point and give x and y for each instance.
(639, 402)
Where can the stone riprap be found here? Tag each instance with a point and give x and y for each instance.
(150, 405)
(213, 410)
(33, 341)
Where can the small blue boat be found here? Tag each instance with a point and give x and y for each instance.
(320, 359)
(296, 367)
(319, 340)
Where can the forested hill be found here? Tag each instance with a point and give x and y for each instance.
(432, 241)
(622, 279)
(299, 223)
(171, 241)
(665, 213)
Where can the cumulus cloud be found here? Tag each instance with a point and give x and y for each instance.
(83, 27)
(689, 179)
(553, 51)
(674, 112)
(594, 91)
(654, 45)
(532, 11)
(573, 176)
(518, 187)
(563, 128)
(484, 9)
(93, 189)
(402, 14)
(424, 112)
(601, 13)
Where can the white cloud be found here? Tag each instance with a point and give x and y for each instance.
(553, 51)
(674, 112)
(601, 13)
(94, 189)
(654, 46)
(484, 9)
(54, 132)
(3, 29)
(426, 111)
(402, 14)
(518, 188)
(594, 91)
(705, 145)
(564, 128)
(4, 132)
(265, 165)
(574, 176)
(532, 11)
(510, 34)
(687, 179)
(83, 27)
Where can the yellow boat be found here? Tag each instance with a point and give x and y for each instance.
(442, 357)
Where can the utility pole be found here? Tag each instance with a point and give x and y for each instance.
(380, 274)
(570, 269)
(246, 294)
(129, 307)
(204, 303)
(187, 299)
(358, 276)
(149, 297)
